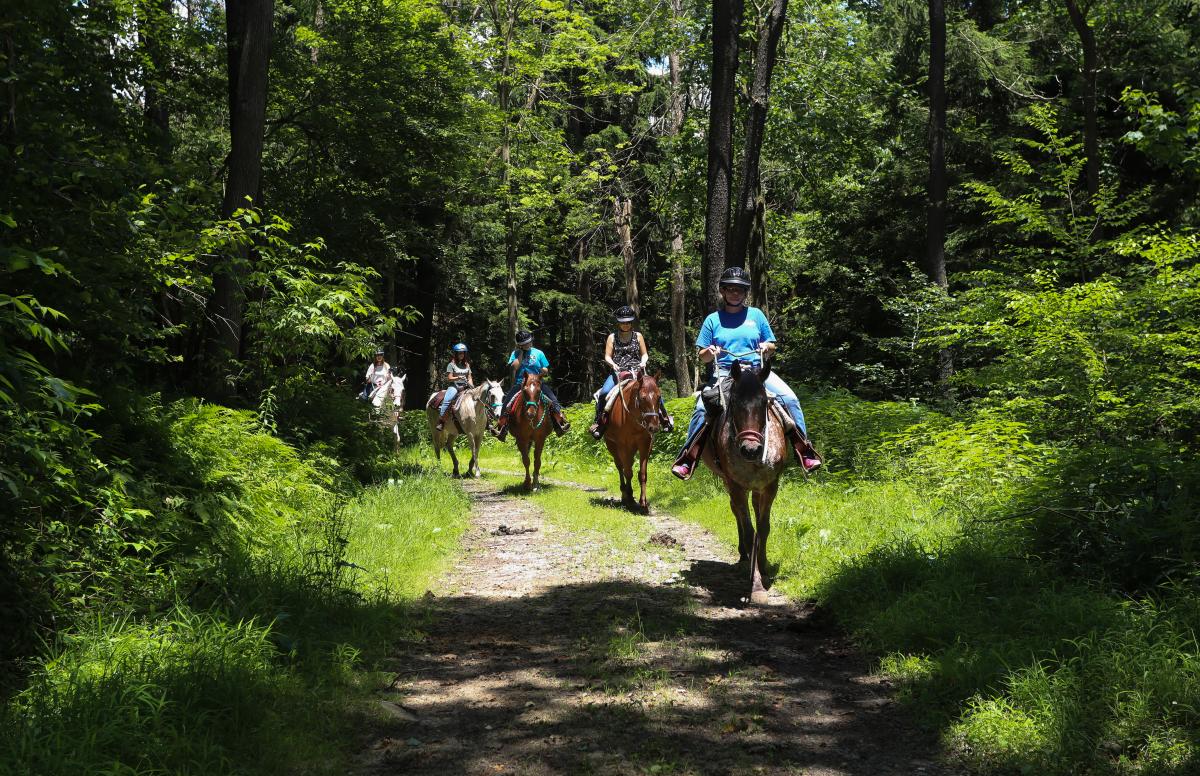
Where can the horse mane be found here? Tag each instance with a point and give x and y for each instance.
(748, 387)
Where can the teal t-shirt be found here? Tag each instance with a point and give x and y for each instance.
(532, 363)
(739, 333)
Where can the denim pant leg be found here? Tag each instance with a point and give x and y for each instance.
(787, 397)
(451, 392)
(694, 425)
(508, 397)
(549, 394)
(604, 389)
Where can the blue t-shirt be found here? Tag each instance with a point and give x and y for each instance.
(740, 333)
(532, 363)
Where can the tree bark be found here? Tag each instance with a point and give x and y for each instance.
(757, 253)
(756, 123)
(1091, 130)
(248, 34)
(679, 344)
(314, 52)
(504, 93)
(726, 23)
(154, 17)
(935, 224)
(587, 332)
(623, 217)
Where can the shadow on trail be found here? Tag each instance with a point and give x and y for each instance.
(629, 677)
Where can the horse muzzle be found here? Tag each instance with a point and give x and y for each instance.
(750, 444)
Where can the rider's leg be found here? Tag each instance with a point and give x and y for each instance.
(667, 421)
(501, 428)
(444, 410)
(561, 424)
(685, 463)
(805, 453)
(597, 427)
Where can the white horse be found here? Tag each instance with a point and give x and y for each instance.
(387, 402)
(474, 409)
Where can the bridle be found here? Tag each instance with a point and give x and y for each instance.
(642, 414)
(537, 405)
(749, 435)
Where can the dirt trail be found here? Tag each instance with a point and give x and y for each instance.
(551, 654)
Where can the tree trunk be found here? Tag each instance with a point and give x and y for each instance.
(1091, 131)
(248, 33)
(314, 52)
(510, 237)
(154, 25)
(935, 224)
(756, 123)
(421, 369)
(623, 217)
(587, 332)
(679, 343)
(758, 252)
(726, 23)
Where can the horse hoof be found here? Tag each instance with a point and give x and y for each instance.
(759, 597)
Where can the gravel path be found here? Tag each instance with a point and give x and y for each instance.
(550, 654)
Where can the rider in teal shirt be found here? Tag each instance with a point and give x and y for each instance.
(528, 360)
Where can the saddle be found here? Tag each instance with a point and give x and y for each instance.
(615, 392)
(436, 400)
(716, 399)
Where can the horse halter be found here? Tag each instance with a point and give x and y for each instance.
(637, 401)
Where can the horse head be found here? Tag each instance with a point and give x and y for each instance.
(648, 397)
(747, 408)
(398, 389)
(492, 395)
(532, 393)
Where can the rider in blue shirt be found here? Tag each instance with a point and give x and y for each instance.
(528, 360)
(737, 332)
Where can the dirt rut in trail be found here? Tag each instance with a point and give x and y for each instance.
(552, 654)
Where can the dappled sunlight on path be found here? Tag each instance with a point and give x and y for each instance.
(549, 654)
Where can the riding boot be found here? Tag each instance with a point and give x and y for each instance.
(561, 424)
(685, 464)
(597, 427)
(441, 424)
(501, 429)
(807, 455)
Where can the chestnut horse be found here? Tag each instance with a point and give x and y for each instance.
(748, 451)
(632, 424)
(530, 424)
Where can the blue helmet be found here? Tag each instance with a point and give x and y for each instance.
(459, 348)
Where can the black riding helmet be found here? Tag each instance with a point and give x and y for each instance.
(735, 276)
(380, 352)
(625, 314)
(524, 337)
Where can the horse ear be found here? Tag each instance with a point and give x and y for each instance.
(736, 370)
(765, 372)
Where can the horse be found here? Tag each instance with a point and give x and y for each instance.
(530, 426)
(748, 451)
(632, 424)
(387, 402)
(475, 408)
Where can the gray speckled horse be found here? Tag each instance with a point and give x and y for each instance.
(476, 405)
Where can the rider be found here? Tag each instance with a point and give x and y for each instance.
(458, 376)
(528, 360)
(624, 351)
(737, 331)
(378, 374)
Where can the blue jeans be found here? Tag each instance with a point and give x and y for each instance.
(547, 392)
(451, 392)
(604, 389)
(775, 385)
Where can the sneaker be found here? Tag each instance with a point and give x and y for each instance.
(565, 426)
(809, 463)
(595, 431)
(682, 470)
(668, 423)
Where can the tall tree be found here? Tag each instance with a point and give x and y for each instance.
(726, 26)
(750, 195)
(248, 37)
(623, 215)
(679, 343)
(1091, 131)
(935, 226)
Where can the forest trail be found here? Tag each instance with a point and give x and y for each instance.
(552, 653)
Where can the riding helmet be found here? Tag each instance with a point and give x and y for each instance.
(380, 352)
(459, 348)
(625, 314)
(735, 276)
(524, 337)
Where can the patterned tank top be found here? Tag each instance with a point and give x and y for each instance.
(627, 355)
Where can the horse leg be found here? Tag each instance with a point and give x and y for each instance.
(524, 447)
(762, 518)
(473, 469)
(625, 467)
(453, 457)
(537, 460)
(741, 511)
(644, 452)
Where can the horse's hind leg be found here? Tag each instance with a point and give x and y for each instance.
(762, 517)
(741, 512)
(644, 452)
(453, 457)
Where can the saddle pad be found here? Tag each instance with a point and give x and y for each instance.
(615, 393)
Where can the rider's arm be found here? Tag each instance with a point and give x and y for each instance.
(645, 353)
(705, 348)
(608, 349)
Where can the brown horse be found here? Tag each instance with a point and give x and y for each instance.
(748, 451)
(632, 424)
(530, 425)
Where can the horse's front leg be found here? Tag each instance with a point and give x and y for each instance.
(741, 512)
(763, 500)
(644, 452)
(537, 460)
(525, 460)
(476, 440)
